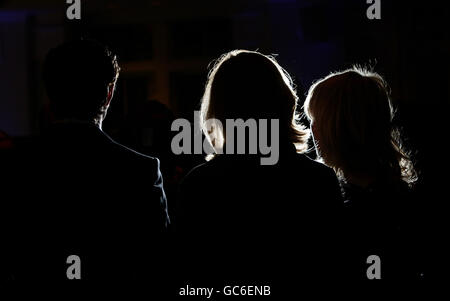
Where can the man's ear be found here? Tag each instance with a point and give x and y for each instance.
(110, 95)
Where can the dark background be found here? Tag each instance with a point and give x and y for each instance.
(164, 48)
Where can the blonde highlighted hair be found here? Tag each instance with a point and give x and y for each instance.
(351, 114)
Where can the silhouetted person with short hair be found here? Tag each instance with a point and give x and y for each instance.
(91, 196)
(351, 118)
(252, 221)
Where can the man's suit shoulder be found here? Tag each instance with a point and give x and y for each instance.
(134, 161)
(130, 154)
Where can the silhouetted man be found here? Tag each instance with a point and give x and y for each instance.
(90, 196)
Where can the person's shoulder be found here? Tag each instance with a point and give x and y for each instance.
(312, 167)
(133, 159)
(198, 171)
(220, 165)
(133, 154)
(207, 172)
(129, 153)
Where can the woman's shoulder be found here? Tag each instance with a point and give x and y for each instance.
(297, 167)
(380, 193)
(195, 172)
(310, 166)
(203, 171)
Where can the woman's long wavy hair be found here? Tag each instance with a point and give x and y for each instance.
(351, 115)
(247, 84)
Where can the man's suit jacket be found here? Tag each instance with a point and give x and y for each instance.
(78, 192)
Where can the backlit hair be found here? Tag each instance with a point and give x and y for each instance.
(247, 84)
(77, 75)
(351, 114)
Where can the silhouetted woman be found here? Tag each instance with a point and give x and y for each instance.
(351, 120)
(246, 219)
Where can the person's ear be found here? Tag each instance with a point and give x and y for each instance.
(110, 95)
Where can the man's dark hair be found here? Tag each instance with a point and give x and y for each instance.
(76, 76)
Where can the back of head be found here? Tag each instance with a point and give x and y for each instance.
(249, 85)
(351, 113)
(77, 76)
